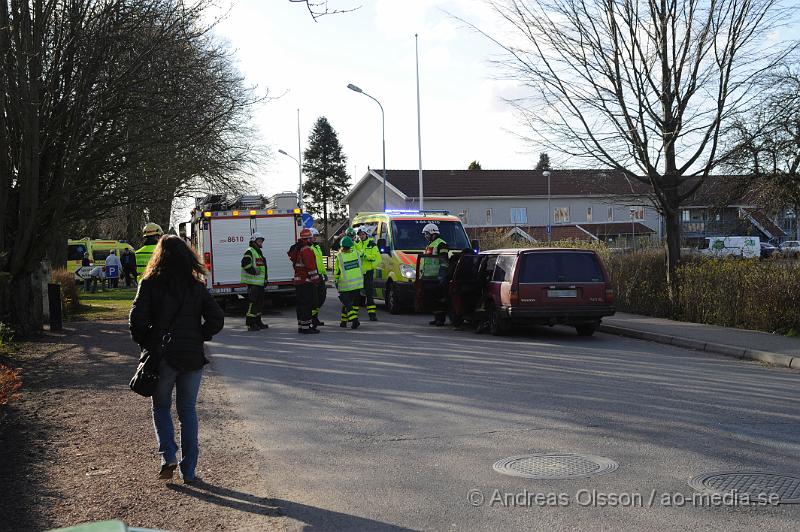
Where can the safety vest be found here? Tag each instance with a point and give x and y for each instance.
(435, 268)
(143, 255)
(257, 260)
(348, 272)
(320, 258)
(370, 255)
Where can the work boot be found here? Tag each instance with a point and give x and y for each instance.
(261, 324)
(251, 324)
(373, 317)
(316, 323)
(343, 324)
(355, 324)
(436, 322)
(307, 330)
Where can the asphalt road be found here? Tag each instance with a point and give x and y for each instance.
(395, 425)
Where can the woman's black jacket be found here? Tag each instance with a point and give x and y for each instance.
(156, 305)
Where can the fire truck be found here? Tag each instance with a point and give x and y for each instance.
(220, 232)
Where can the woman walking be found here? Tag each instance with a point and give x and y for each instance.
(173, 313)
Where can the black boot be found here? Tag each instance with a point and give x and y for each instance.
(373, 317)
(355, 324)
(343, 324)
(251, 324)
(307, 330)
(316, 323)
(261, 324)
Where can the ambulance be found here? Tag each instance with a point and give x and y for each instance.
(400, 240)
(220, 233)
(98, 250)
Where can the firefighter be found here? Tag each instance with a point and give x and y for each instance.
(306, 280)
(438, 247)
(349, 279)
(322, 288)
(151, 233)
(370, 258)
(254, 275)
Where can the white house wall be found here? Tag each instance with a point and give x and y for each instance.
(369, 198)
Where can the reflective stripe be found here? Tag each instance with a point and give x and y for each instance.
(260, 277)
(143, 255)
(349, 275)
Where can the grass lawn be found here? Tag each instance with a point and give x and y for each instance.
(106, 305)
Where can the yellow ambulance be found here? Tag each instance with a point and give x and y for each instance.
(98, 250)
(399, 237)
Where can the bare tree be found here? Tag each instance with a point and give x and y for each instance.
(321, 8)
(643, 87)
(108, 103)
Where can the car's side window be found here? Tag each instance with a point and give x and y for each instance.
(504, 269)
(382, 232)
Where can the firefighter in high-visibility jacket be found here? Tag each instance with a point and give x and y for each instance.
(349, 279)
(370, 259)
(254, 276)
(151, 233)
(321, 288)
(438, 247)
(306, 280)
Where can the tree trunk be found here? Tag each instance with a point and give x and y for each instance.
(26, 311)
(672, 225)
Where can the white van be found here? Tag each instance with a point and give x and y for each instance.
(748, 247)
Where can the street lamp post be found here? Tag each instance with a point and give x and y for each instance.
(546, 174)
(383, 135)
(299, 177)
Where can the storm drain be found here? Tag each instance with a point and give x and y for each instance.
(555, 466)
(752, 485)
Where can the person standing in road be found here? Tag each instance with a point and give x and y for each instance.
(438, 247)
(349, 279)
(151, 233)
(322, 288)
(113, 269)
(174, 309)
(306, 280)
(254, 276)
(370, 259)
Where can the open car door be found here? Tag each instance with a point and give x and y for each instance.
(465, 288)
(430, 281)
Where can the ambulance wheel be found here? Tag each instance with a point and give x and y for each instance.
(391, 301)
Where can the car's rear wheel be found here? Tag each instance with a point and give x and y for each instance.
(391, 300)
(498, 325)
(586, 329)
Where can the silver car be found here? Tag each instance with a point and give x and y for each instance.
(791, 247)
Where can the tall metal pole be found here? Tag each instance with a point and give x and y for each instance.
(549, 210)
(299, 165)
(419, 128)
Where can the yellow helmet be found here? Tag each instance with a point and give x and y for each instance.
(152, 229)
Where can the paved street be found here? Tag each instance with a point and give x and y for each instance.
(391, 426)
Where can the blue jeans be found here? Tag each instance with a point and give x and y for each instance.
(187, 384)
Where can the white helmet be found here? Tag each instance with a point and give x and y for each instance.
(314, 231)
(255, 236)
(430, 229)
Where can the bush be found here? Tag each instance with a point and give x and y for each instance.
(6, 333)
(70, 300)
(640, 282)
(10, 384)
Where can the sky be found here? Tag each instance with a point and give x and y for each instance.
(307, 65)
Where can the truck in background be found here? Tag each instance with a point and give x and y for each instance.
(748, 247)
(220, 233)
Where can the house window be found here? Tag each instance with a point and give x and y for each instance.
(686, 216)
(611, 214)
(561, 215)
(464, 215)
(519, 215)
(488, 216)
(588, 214)
(637, 213)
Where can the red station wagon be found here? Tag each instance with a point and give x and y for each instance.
(503, 287)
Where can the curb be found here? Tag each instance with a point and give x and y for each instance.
(776, 359)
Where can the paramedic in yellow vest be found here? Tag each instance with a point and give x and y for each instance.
(254, 275)
(322, 289)
(438, 247)
(151, 233)
(349, 280)
(370, 259)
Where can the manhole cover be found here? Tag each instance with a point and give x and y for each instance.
(753, 483)
(555, 466)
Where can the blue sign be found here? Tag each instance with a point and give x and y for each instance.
(112, 272)
(308, 220)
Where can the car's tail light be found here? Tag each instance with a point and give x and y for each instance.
(513, 297)
(207, 261)
(610, 295)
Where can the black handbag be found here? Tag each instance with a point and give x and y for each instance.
(145, 379)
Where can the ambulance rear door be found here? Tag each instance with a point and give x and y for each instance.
(280, 232)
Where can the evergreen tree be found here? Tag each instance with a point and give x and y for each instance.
(474, 165)
(544, 162)
(326, 180)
